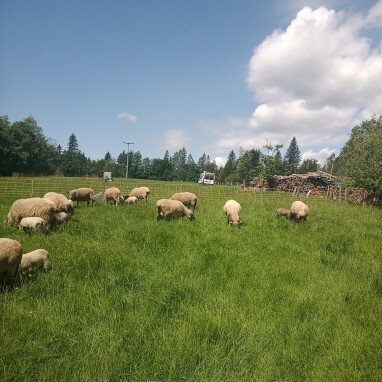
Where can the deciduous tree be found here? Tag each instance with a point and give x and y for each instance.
(361, 157)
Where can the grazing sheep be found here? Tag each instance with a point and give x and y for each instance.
(10, 257)
(30, 207)
(232, 209)
(187, 198)
(167, 208)
(62, 217)
(33, 224)
(131, 200)
(283, 212)
(299, 211)
(141, 193)
(112, 193)
(82, 195)
(33, 262)
(62, 203)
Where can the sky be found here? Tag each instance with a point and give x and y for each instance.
(208, 75)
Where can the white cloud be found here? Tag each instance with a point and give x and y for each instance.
(374, 18)
(174, 139)
(127, 117)
(321, 155)
(315, 79)
(220, 161)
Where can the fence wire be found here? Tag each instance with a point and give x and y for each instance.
(25, 187)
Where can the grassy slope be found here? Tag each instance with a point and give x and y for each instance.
(133, 299)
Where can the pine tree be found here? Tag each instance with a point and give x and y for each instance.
(248, 165)
(279, 168)
(202, 163)
(192, 169)
(73, 161)
(292, 157)
(73, 144)
(179, 161)
(308, 165)
(167, 167)
(230, 168)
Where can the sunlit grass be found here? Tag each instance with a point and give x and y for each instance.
(133, 299)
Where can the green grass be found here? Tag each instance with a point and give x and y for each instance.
(133, 299)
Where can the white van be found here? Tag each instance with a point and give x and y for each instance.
(207, 178)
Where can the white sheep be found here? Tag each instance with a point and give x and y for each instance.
(62, 217)
(283, 212)
(299, 211)
(141, 193)
(189, 199)
(33, 224)
(33, 262)
(62, 203)
(10, 257)
(30, 207)
(131, 200)
(167, 208)
(112, 193)
(232, 210)
(82, 195)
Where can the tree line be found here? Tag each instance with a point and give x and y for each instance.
(24, 149)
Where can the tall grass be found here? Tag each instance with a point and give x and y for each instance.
(133, 299)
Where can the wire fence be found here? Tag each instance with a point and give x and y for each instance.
(25, 187)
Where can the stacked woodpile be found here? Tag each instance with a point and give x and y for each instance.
(357, 195)
(318, 184)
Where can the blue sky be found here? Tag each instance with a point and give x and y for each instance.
(207, 75)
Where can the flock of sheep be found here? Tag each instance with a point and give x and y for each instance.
(46, 213)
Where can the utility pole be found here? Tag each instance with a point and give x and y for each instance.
(127, 157)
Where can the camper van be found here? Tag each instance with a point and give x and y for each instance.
(207, 178)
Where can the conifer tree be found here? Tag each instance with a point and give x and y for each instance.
(292, 157)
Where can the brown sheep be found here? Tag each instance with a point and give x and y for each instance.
(82, 195)
(283, 212)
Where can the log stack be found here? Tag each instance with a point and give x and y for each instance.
(317, 184)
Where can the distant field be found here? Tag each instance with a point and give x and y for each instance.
(133, 299)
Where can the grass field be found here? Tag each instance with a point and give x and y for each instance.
(133, 299)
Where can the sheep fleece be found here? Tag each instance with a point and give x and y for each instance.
(140, 192)
(299, 211)
(189, 199)
(23, 208)
(232, 210)
(62, 203)
(112, 193)
(82, 195)
(168, 207)
(37, 259)
(10, 257)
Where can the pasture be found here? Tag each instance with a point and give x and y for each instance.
(133, 299)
